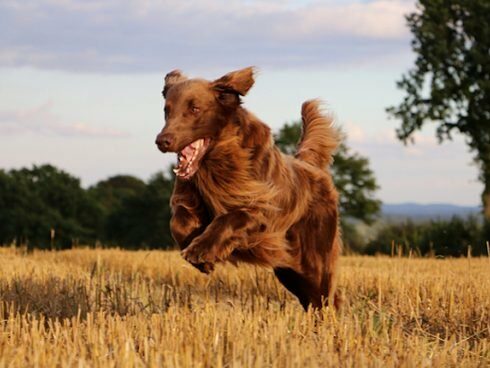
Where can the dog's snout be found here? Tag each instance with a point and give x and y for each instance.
(164, 140)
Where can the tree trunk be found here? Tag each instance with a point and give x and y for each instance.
(485, 176)
(486, 201)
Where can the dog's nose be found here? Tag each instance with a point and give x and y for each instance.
(164, 140)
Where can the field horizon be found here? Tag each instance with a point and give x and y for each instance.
(119, 308)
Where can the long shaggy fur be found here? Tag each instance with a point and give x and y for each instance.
(248, 202)
(320, 139)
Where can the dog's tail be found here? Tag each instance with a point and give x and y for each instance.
(319, 138)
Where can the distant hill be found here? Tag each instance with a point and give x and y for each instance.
(417, 211)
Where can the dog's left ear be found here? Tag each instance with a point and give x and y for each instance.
(239, 81)
(172, 78)
(231, 86)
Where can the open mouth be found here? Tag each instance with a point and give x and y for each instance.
(190, 157)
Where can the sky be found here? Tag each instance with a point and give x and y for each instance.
(81, 81)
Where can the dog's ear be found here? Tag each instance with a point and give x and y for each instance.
(172, 78)
(231, 86)
(239, 81)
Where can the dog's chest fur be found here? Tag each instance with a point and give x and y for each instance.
(226, 182)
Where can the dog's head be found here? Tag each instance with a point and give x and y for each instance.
(195, 112)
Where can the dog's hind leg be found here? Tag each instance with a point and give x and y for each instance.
(329, 277)
(305, 290)
(319, 240)
(328, 291)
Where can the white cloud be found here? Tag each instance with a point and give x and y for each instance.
(425, 172)
(355, 133)
(383, 144)
(41, 120)
(380, 19)
(155, 35)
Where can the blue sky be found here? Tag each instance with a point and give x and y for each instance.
(80, 82)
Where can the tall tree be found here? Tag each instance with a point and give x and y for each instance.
(351, 173)
(450, 82)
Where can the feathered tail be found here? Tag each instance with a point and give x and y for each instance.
(320, 138)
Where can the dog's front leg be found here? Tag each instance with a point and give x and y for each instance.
(189, 217)
(224, 234)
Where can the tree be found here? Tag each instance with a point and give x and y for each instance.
(136, 214)
(353, 178)
(450, 82)
(110, 194)
(35, 201)
(112, 191)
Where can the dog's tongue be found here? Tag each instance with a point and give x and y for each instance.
(187, 151)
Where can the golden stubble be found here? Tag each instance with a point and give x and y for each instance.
(114, 308)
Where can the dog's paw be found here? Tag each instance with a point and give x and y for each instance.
(206, 268)
(192, 254)
(196, 253)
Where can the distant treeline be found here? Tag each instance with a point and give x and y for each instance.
(455, 237)
(45, 207)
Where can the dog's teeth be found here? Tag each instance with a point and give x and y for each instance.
(176, 170)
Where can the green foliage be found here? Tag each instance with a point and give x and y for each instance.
(288, 137)
(356, 184)
(121, 210)
(111, 192)
(441, 237)
(450, 82)
(36, 200)
(140, 216)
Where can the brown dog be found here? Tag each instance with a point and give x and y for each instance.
(238, 198)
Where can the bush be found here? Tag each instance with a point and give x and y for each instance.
(438, 237)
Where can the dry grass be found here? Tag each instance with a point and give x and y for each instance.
(111, 308)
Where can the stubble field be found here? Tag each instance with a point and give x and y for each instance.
(114, 308)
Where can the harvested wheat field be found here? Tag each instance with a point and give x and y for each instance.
(113, 308)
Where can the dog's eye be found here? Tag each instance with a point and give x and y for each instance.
(195, 109)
